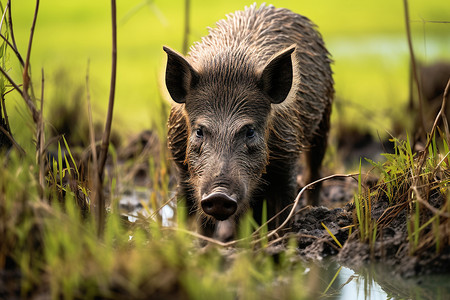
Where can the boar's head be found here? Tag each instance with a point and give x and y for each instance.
(227, 104)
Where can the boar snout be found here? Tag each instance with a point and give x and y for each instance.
(219, 205)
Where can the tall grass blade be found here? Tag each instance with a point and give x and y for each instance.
(416, 223)
(332, 235)
(332, 280)
(71, 157)
(60, 165)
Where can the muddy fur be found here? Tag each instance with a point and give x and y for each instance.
(261, 69)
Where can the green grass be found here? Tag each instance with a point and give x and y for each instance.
(54, 243)
(71, 33)
(60, 255)
(409, 181)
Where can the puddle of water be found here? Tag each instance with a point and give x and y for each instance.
(355, 288)
(132, 205)
(376, 282)
(358, 287)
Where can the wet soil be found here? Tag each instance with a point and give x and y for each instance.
(391, 247)
(338, 214)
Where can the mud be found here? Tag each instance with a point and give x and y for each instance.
(391, 247)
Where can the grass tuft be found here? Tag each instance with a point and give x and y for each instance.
(415, 183)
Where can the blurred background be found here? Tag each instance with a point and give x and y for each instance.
(367, 40)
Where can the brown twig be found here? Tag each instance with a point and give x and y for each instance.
(20, 149)
(187, 6)
(10, 22)
(26, 77)
(289, 236)
(433, 130)
(19, 57)
(427, 205)
(7, 8)
(205, 238)
(440, 114)
(107, 131)
(92, 140)
(5, 113)
(413, 63)
(299, 195)
(41, 138)
(16, 87)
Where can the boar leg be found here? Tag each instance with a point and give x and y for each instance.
(280, 193)
(313, 160)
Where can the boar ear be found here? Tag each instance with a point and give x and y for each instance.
(180, 76)
(277, 76)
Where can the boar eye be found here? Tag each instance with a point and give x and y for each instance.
(199, 133)
(250, 133)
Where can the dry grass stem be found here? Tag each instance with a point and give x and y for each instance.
(19, 57)
(108, 124)
(187, 5)
(11, 81)
(427, 205)
(41, 141)
(26, 74)
(413, 63)
(441, 114)
(16, 145)
(94, 175)
(297, 199)
(11, 30)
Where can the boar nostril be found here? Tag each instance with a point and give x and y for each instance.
(219, 205)
(208, 205)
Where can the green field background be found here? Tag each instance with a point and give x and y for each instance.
(366, 39)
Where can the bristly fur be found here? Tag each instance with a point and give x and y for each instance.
(228, 60)
(247, 39)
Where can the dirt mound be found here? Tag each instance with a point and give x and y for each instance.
(391, 247)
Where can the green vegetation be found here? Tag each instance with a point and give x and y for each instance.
(413, 182)
(59, 253)
(367, 227)
(51, 241)
(51, 244)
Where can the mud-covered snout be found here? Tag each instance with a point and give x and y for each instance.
(219, 205)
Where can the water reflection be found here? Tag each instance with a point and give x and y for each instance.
(373, 282)
(135, 203)
(359, 287)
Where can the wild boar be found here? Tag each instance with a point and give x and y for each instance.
(250, 97)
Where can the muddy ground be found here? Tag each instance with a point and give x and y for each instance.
(391, 248)
(338, 214)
